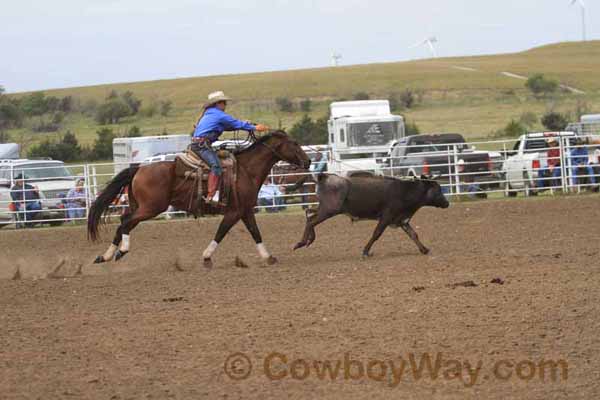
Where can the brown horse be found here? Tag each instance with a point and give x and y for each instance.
(152, 188)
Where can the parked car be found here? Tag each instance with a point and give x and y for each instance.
(51, 178)
(434, 155)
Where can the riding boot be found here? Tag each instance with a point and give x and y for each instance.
(213, 188)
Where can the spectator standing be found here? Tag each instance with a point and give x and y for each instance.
(319, 165)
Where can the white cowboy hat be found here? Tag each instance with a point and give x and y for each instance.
(216, 97)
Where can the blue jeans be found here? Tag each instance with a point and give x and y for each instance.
(589, 171)
(545, 173)
(29, 214)
(75, 211)
(209, 156)
(268, 203)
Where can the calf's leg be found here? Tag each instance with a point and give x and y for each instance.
(413, 235)
(313, 218)
(379, 229)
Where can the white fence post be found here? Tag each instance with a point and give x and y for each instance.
(456, 175)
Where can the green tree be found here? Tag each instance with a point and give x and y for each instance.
(66, 104)
(514, 129)
(102, 148)
(306, 131)
(540, 85)
(555, 121)
(52, 103)
(133, 102)
(11, 115)
(408, 98)
(34, 104)
(66, 149)
(305, 105)
(112, 111)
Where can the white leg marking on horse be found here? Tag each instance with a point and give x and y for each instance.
(262, 250)
(110, 252)
(124, 243)
(212, 246)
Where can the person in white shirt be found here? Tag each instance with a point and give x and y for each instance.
(271, 197)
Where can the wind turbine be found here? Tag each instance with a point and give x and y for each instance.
(429, 43)
(582, 5)
(335, 59)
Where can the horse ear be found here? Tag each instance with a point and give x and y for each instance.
(425, 177)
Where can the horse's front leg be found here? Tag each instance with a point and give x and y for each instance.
(250, 222)
(228, 221)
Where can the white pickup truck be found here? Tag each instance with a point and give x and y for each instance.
(529, 155)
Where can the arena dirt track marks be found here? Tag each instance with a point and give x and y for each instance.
(115, 331)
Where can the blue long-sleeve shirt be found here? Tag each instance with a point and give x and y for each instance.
(579, 155)
(214, 122)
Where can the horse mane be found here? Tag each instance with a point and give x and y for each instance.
(278, 134)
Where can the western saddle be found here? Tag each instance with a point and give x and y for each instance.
(190, 167)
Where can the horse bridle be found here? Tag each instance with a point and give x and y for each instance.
(276, 153)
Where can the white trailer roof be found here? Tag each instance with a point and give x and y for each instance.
(361, 108)
(9, 151)
(148, 138)
(590, 118)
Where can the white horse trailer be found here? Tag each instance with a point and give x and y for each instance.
(128, 151)
(589, 125)
(360, 136)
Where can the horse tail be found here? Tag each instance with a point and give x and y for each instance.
(112, 191)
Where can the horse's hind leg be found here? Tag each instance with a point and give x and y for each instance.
(114, 246)
(129, 223)
(228, 221)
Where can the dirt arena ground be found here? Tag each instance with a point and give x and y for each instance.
(157, 325)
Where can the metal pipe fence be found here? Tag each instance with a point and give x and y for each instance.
(505, 168)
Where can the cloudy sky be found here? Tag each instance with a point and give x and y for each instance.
(62, 43)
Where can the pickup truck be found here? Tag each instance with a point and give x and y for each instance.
(51, 178)
(521, 169)
(434, 155)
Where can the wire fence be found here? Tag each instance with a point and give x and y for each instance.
(48, 192)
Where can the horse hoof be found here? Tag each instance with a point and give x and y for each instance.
(272, 260)
(99, 260)
(120, 254)
(298, 245)
(425, 251)
(366, 256)
(208, 263)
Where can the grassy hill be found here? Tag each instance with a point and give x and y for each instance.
(460, 94)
